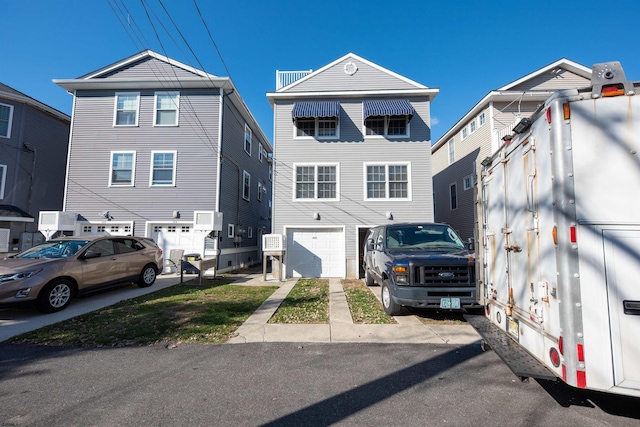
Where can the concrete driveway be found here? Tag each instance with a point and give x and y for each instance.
(16, 321)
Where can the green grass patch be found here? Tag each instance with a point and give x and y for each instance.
(205, 314)
(365, 307)
(308, 302)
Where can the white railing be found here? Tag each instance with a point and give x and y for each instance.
(508, 129)
(285, 78)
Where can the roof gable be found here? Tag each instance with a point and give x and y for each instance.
(558, 75)
(352, 73)
(147, 64)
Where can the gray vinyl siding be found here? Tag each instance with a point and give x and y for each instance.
(150, 68)
(366, 78)
(236, 210)
(563, 79)
(351, 151)
(95, 137)
(506, 114)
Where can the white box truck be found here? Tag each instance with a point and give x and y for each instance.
(559, 247)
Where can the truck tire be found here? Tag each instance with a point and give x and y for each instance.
(368, 279)
(389, 305)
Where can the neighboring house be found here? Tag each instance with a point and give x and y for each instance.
(152, 142)
(351, 150)
(33, 154)
(457, 155)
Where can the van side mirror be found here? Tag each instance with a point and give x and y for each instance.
(370, 245)
(471, 244)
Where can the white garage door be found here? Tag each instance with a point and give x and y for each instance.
(315, 253)
(177, 236)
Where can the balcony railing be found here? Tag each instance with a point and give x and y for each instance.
(285, 78)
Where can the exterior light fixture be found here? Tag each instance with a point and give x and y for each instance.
(522, 126)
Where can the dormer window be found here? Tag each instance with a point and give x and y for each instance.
(316, 119)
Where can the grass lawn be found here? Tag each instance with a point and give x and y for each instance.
(308, 302)
(365, 307)
(189, 313)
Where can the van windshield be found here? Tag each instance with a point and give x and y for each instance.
(423, 236)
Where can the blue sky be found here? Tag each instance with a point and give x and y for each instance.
(463, 48)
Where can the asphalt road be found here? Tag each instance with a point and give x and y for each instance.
(284, 384)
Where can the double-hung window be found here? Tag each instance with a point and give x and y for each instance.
(388, 181)
(316, 119)
(6, 118)
(167, 108)
(453, 196)
(260, 190)
(3, 179)
(387, 118)
(127, 106)
(123, 168)
(316, 182)
(246, 185)
(247, 139)
(163, 168)
(452, 151)
(481, 119)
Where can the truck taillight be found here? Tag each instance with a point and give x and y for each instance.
(554, 356)
(554, 234)
(572, 233)
(580, 353)
(566, 109)
(548, 114)
(561, 345)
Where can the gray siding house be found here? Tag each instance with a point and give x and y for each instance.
(33, 152)
(351, 150)
(153, 141)
(456, 156)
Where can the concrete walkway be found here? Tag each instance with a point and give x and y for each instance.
(341, 327)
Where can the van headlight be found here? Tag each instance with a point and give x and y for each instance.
(401, 272)
(5, 278)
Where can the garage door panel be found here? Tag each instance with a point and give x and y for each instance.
(315, 253)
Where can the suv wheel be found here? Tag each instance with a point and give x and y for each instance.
(147, 276)
(55, 296)
(389, 305)
(368, 279)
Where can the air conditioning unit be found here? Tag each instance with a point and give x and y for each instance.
(207, 221)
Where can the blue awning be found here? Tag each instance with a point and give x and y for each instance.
(315, 109)
(388, 107)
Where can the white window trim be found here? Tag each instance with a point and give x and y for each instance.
(472, 126)
(467, 182)
(249, 232)
(246, 185)
(155, 107)
(386, 190)
(260, 152)
(482, 119)
(231, 231)
(247, 131)
(386, 129)
(3, 179)
(451, 151)
(451, 208)
(315, 191)
(9, 125)
(270, 172)
(464, 133)
(315, 133)
(133, 169)
(173, 175)
(115, 109)
(259, 196)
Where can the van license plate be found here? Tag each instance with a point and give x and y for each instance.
(452, 303)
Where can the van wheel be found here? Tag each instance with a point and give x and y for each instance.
(55, 296)
(389, 305)
(147, 276)
(368, 280)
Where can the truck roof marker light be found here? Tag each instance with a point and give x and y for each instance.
(614, 90)
(566, 109)
(549, 115)
(554, 234)
(572, 234)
